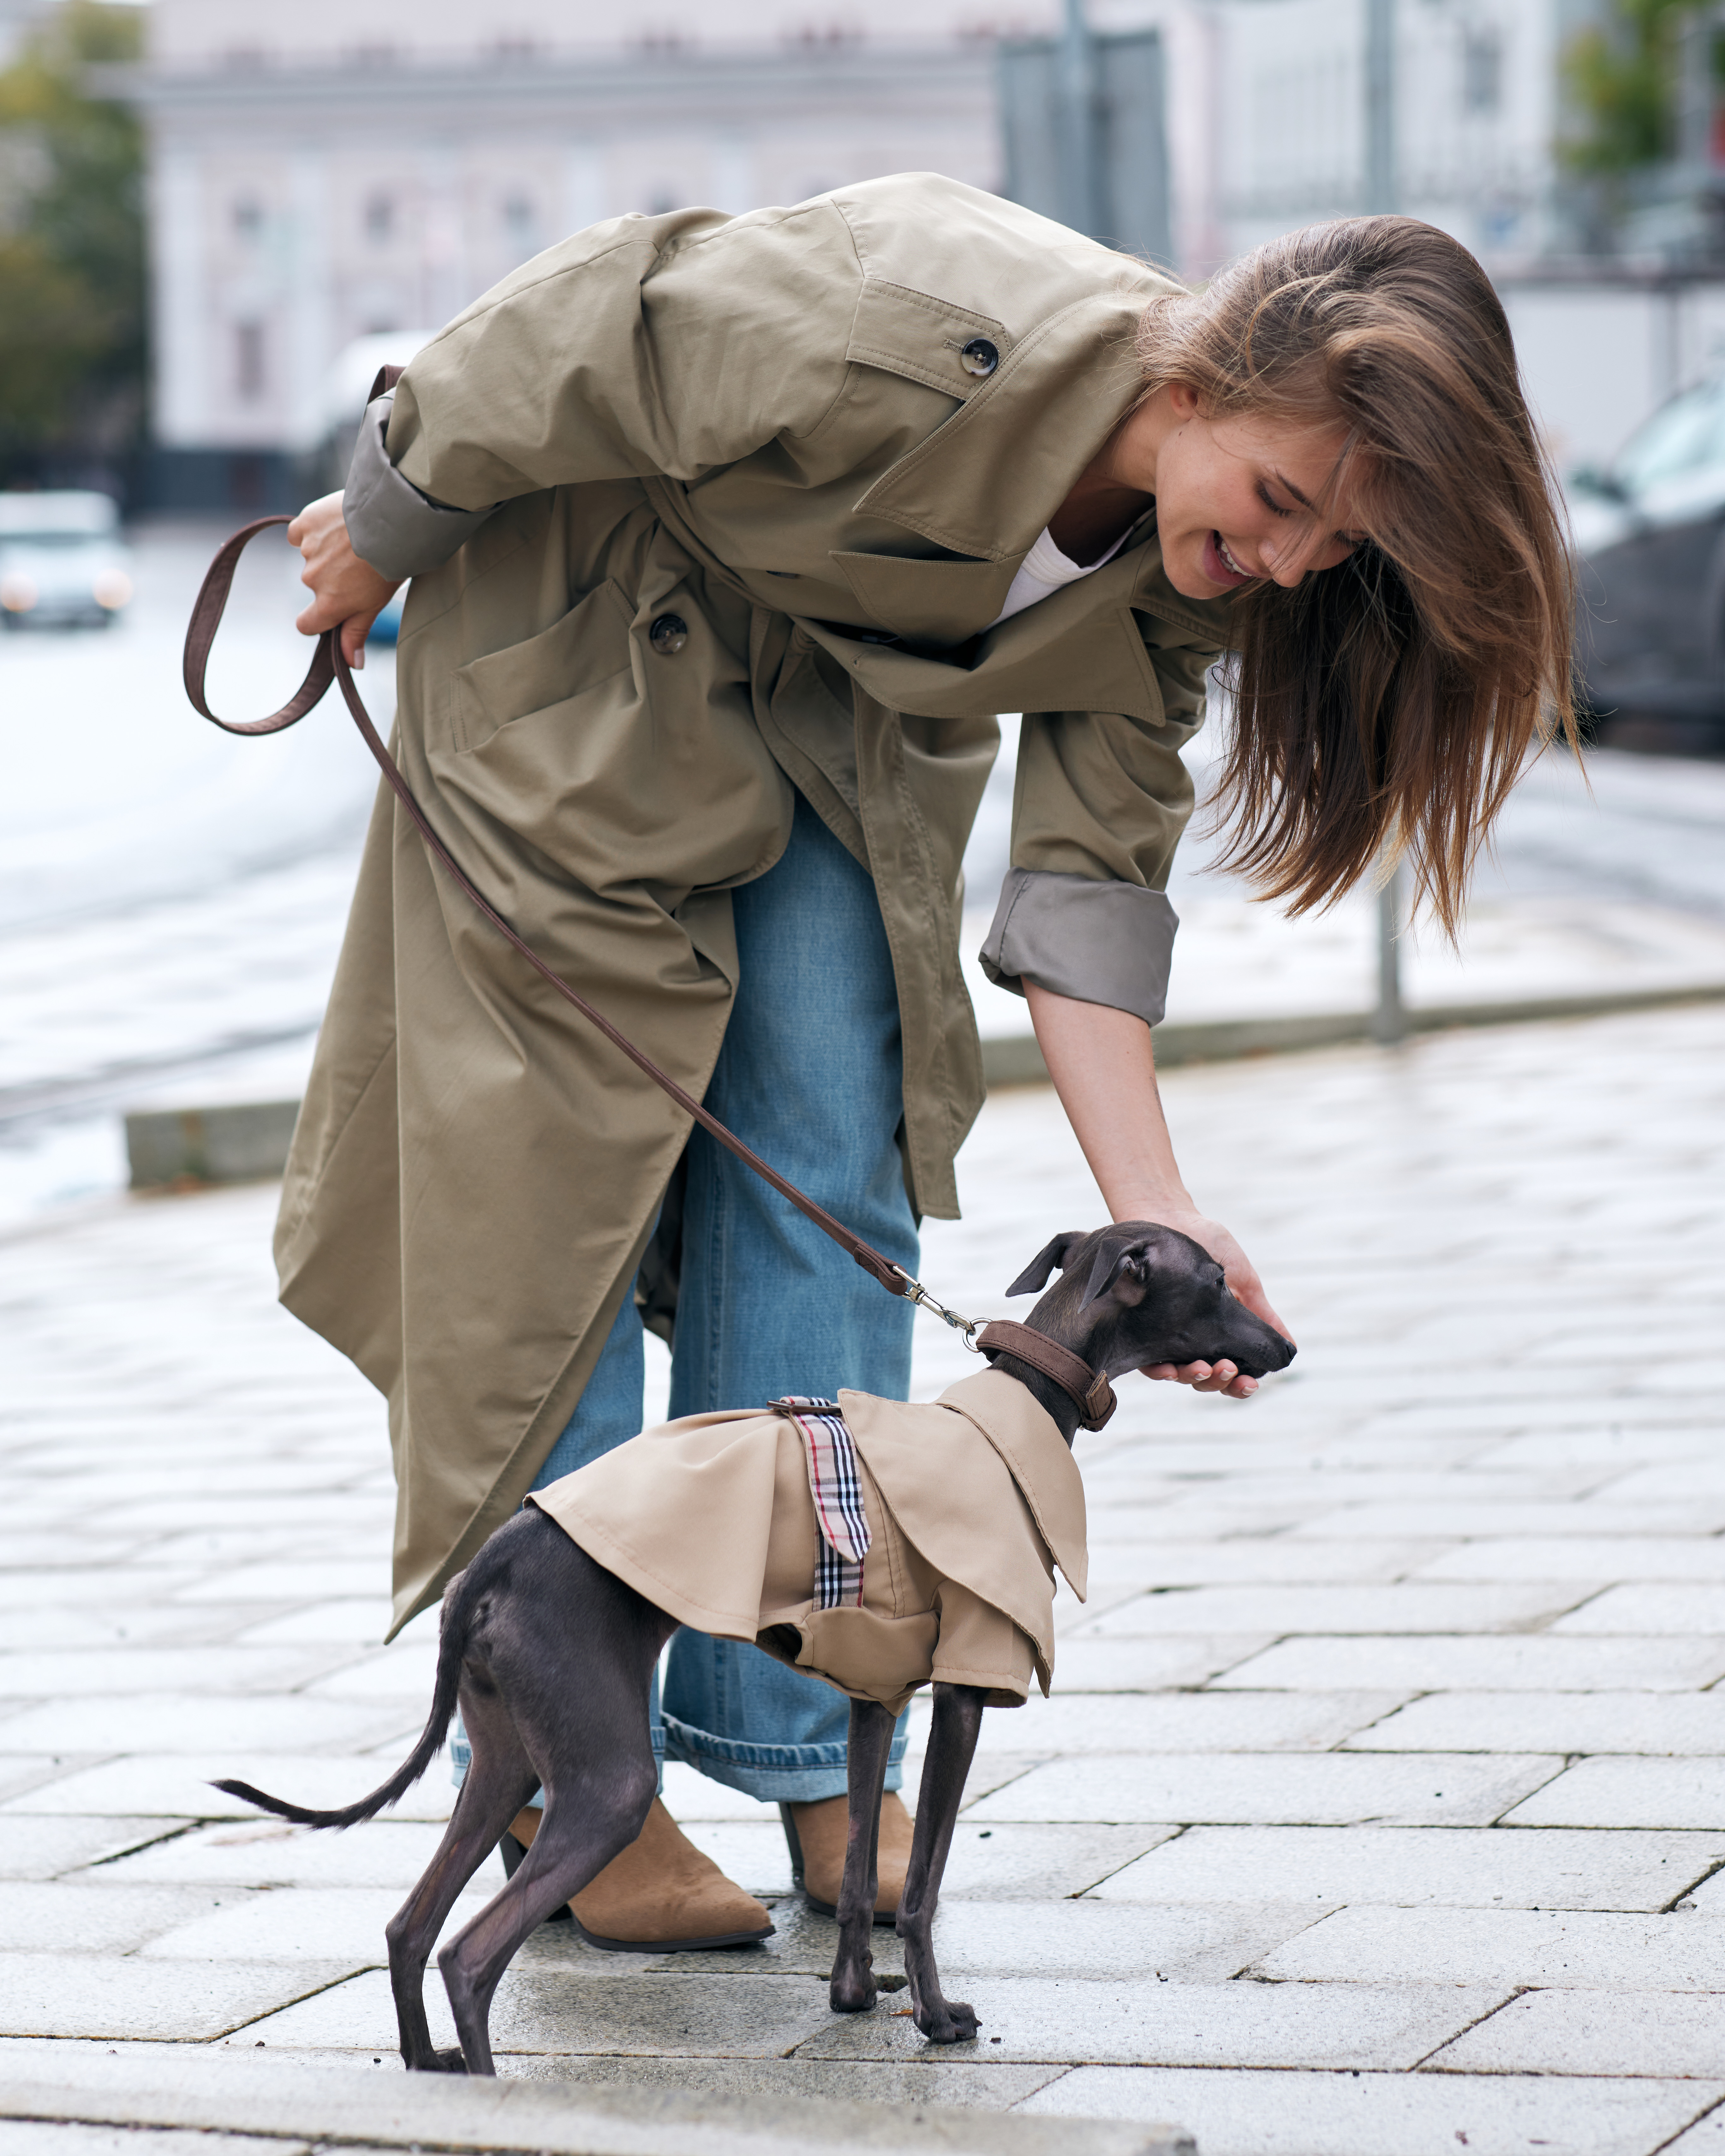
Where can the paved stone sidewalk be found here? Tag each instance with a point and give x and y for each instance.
(1379, 1811)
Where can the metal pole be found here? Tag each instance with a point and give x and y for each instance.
(1380, 189)
(1079, 175)
(1389, 1020)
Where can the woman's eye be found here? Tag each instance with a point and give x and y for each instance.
(1270, 502)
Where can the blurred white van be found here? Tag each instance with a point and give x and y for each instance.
(62, 561)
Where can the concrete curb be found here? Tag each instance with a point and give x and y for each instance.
(539, 2118)
(245, 1143)
(1015, 1060)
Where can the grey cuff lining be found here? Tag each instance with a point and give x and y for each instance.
(399, 531)
(1099, 942)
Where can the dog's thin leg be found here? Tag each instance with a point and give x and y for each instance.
(587, 1823)
(870, 1741)
(499, 1782)
(957, 1721)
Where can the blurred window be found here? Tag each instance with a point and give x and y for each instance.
(1482, 70)
(249, 219)
(1687, 435)
(380, 218)
(248, 359)
(520, 223)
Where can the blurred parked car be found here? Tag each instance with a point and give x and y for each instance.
(1649, 542)
(61, 559)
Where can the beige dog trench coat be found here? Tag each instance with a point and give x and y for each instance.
(771, 427)
(710, 1517)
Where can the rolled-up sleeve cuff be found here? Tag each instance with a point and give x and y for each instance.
(1099, 942)
(398, 531)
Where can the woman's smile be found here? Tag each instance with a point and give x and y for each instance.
(1221, 565)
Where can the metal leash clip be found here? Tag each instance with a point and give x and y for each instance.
(967, 1328)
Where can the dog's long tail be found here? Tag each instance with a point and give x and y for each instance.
(452, 1641)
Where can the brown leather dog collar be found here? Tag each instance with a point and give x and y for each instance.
(1088, 1389)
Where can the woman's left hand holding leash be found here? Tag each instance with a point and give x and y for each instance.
(1103, 1069)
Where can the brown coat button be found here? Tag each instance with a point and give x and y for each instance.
(669, 633)
(979, 357)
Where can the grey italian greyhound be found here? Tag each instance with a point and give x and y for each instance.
(550, 1657)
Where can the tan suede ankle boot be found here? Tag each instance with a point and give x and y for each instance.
(660, 1895)
(816, 1833)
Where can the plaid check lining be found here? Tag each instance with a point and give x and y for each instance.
(837, 1490)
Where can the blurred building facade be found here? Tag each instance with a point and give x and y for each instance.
(340, 168)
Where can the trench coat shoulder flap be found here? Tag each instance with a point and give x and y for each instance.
(980, 488)
(683, 1514)
(991, 1540)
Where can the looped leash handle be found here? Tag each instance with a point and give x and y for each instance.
(207, 614)
(330, 664)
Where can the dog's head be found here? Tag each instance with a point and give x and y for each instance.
(1136, 1293)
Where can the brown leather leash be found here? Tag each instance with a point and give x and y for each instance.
(1089, 1389)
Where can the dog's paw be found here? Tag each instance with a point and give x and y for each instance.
(444, 2063)
(949, 2021)
(854, 1993)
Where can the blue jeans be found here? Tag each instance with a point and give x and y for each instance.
(811, 1075)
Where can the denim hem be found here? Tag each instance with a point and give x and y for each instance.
(776, 1773)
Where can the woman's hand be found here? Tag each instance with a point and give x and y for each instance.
(1105, 1073)
(348, 594)
(1243, 1279)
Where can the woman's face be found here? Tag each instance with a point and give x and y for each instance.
(1234, 498)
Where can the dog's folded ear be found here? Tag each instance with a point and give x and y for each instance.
(1123, 1270)
(1051, 1257)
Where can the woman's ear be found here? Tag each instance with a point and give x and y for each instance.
(1184, 400)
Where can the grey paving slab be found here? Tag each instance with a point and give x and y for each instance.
(1073, 1724)
(298, 1582)
(1254, 1559)
(118, 1997)
(1398, 1608)
(1528, 1662)
(360, 1620)
(1334, 1787)
(77, 1672)
(40, 1848)
(1311, 2114)
(1552, 1721)
(1129, 2021)
(179, 1785)
(1590, 1518)
(929, 2081)
(1661, 2033)
(190, 1721)
(1039, 1863)
(1605, 1559)
(270, 1853)
(62, 2138)
(1658, 1607)
(39, 1917)
(1145, 1664)
(558, 2010)
(312, 1923)
(1408, 1867)
(1630, 1793)
(404, 1672)
(1573, 1950)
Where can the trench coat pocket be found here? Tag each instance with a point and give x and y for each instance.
(590, 644)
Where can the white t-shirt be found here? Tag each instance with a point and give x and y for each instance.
(1046, 569)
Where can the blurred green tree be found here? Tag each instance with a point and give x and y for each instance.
(71, 283)
(1623, 78)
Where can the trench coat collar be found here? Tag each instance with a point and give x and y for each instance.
(1024, 1435)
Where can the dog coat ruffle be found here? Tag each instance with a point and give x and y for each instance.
(967, 1505)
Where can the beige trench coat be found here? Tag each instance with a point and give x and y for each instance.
(711, 1518)
(766, 426)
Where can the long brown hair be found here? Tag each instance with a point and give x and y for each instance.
(1389, 701)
